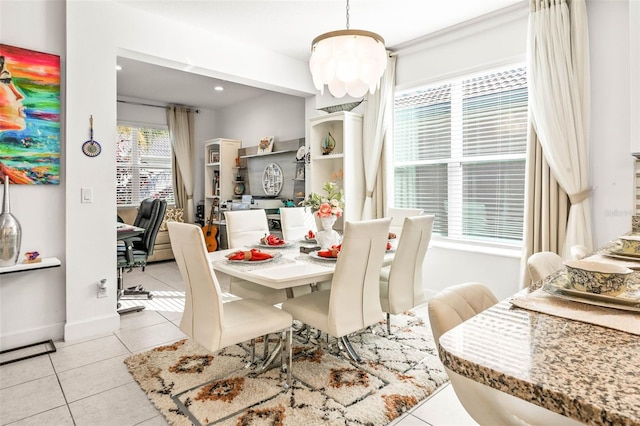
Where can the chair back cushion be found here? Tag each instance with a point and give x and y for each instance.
(405, 286)
(245, 227)
(150, 218)
(296, 222)
(355, 296)
(456, 304)
(202, 316)
(397, 215)
(543, 264)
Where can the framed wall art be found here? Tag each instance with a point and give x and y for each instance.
(265, 145)
(29, 116)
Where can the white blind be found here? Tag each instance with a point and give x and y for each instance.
(459, 153)
(143, 162)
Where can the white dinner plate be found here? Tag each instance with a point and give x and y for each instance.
(315, 255)
(272, 247)
(626, 298)
(274, 256)
(618, 254)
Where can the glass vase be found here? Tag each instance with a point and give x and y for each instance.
(328, 236)
(10, 232)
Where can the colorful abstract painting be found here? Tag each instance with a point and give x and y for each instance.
(29, 116)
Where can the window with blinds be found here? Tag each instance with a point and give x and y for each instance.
(143, 162)
(459, 153)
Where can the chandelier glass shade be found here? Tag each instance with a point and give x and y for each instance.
(349, 62)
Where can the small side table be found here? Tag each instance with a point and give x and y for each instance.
(48, 262)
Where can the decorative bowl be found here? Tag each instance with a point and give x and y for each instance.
(597, 277)
(630, 244)
(342, 107)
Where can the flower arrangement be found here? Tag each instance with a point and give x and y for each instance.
(327, 205)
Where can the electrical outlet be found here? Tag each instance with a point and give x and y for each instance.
(102, 288)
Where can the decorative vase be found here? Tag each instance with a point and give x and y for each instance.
(328, 236)
(328, 144)
(10, 232)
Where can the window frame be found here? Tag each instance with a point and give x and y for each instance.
(136, 169)
(454, 165)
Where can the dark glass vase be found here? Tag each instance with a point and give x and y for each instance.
(10, 232)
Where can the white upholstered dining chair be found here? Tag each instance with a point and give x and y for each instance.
(401, 282)
(543, 264)
(244, 229)
(353, 302)
(487, 406)
(209, 321)
(397, 215)
(296, 222)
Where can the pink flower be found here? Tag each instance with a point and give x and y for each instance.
(324, 210)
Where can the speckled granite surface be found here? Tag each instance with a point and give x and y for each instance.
(583, 371)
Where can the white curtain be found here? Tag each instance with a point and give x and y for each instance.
(558, 68)
(180, 121)
(377, 127)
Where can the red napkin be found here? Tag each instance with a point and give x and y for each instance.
(272, 240)
(253, 254)
(332, 252)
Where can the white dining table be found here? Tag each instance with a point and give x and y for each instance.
(291, 268)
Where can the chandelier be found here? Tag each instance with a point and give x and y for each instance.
(348, 61)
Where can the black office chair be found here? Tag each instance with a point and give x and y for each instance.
(135, 250)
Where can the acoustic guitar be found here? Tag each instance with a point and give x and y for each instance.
(211, 231)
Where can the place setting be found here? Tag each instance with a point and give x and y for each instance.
(273, 241)
(626, 248)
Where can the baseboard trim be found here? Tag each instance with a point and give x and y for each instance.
(26, 337)
(91, 327)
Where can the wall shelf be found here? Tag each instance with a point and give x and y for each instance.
(267, 153)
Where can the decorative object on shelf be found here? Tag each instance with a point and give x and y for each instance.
(328, 236)
(216, 183)
(328, 144)
(91, 148)
(238, 189)
(348, 61)
(301, 152)
(342, 107)
(10, 231)
(265, 145)
(272, 179)
(300, 174)
(32, 257)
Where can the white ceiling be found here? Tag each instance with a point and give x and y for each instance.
(286, 27)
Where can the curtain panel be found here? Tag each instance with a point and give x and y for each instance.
(377, 129)
(558, 70)
(181, 127)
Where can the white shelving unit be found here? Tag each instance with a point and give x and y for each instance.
(345, 160)
(219, 171)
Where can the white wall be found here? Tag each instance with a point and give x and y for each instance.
(611, 168)
(483, 44)
(32, 304)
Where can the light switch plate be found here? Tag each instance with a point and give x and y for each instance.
(86, 195)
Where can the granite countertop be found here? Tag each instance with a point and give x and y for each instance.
(583, 371)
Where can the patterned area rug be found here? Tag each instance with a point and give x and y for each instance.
(328, 389)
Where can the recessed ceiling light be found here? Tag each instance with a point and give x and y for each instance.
(218, 88)
(118, 67)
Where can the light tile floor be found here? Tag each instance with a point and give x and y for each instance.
(87, 383)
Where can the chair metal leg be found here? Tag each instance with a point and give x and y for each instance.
(388, 324)
(120, 293)
(350, 351)
(287, 351)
